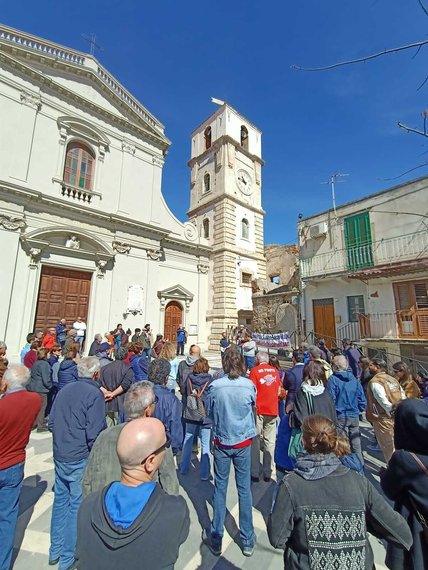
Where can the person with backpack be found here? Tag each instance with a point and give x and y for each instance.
(196, 420)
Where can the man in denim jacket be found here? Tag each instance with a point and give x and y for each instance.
(230, 403)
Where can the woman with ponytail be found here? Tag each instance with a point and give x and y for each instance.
(324, 511)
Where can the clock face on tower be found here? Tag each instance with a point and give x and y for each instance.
(244, 182)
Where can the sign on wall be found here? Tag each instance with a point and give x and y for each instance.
(135, 299)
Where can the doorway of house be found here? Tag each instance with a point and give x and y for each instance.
(63, 293)
(173, 318)
(324, 320)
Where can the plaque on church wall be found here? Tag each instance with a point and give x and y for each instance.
(193, 329)
(135, 299)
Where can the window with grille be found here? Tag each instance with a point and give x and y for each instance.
(355, 306)
(79, 166)
(246, 278)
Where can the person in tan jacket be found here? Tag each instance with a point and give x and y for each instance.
(384, 393)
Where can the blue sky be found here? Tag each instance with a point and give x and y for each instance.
(173, 56)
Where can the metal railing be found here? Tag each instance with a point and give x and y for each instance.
(385, 251)
(398, 325)
(349, 330)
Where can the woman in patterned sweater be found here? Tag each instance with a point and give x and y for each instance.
(324, 511)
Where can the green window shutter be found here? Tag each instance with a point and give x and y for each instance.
(358, 241)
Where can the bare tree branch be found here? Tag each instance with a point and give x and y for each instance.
(360, 59)
(423, 83)
(423, 7)
(407, 171)
(411, 130)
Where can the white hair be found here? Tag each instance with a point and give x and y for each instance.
(263, 357)
(88, 366)
(340, 362)
(16, 376)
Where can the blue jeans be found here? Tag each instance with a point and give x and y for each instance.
(249, 361)
(241, 459)
(205, 435)
(10, 488)
(68, 496)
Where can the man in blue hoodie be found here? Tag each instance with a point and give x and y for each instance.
(349, 400)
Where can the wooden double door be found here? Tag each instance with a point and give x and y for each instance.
(324, 320)
(173, 318)
(63, 293)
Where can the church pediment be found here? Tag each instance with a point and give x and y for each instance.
(176, 292)
(76, 74)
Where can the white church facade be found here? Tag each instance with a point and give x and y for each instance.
(84, 228)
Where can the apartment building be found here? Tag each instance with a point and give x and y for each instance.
(364, 272)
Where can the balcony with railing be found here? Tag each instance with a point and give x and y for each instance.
(400, 325)
(372, 258)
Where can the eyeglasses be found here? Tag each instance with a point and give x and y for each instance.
(166, 445)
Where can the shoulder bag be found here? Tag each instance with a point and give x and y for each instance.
(417, 511)
(195, 409)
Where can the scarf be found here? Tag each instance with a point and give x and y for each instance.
(316, 465)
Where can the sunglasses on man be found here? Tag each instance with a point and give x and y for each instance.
(166, 445)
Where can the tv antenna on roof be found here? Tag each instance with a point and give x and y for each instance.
(92, 40)
(332, 182)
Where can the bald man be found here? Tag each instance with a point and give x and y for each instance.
(120, 526)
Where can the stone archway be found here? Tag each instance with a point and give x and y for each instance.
(286, 318)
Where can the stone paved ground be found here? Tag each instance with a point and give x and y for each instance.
(32, 537)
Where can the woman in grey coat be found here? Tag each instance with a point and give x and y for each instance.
(41, 382)
(323, 511)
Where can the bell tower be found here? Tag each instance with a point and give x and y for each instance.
(225, 206)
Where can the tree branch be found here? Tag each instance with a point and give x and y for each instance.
(360, 59)
(423, 7)
(410, 130)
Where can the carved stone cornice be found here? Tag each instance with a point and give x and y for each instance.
(128, 147)
(154, 254)
(203, 268)
(157, 161)
(101, 268)
(35, 253)
(121, 247)
(12, 223)
(190, 231)
(31, 100)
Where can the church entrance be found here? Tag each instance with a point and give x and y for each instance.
(173, 318)
(63, 293)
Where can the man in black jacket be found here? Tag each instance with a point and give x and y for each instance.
(116, 379)
(133, 523)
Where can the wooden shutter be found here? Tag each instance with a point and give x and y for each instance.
(358, 241)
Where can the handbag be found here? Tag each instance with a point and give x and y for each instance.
(195, 409)
(296, 445)
(422, 520)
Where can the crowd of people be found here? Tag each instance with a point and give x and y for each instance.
(128, 419)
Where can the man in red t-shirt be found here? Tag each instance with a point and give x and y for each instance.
(18, 411)
(267, 382)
